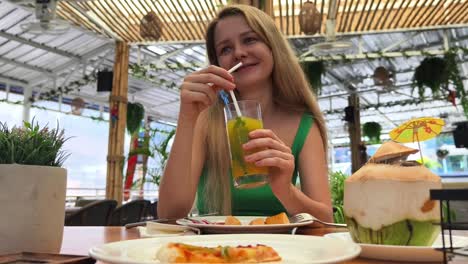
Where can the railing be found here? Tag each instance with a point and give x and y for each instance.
(100, 193)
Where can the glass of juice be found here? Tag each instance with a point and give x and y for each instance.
(245, 174)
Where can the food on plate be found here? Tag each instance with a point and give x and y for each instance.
(186, 253)
(232, 220)
(280, 218)
(387, 201)
(257, 221)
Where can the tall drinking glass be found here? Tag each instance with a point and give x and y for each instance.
(245, 174)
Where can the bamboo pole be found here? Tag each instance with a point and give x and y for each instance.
(117, 124)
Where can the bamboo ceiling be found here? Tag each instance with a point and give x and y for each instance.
(185, 20)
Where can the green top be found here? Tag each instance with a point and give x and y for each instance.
(260, 201)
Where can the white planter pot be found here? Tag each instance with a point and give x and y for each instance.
(32, 208)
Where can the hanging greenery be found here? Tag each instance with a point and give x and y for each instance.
(150, 72)
(65, 89)
(372, 131)
(380, 105)
(432, 73)
(314, 71)
(135, 114)
(438, 73)
(455, 77)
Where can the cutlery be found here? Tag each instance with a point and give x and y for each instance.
(165, 220)
(303, 217)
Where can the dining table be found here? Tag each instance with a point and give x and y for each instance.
(77, 240)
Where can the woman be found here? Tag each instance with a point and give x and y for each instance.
(271, 75)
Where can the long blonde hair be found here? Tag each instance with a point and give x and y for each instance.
(291, 90)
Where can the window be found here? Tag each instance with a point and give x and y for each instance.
(87, 145)
(453, 164)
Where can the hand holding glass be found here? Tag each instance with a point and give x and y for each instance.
(245, 174)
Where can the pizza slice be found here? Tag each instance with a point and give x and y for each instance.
(185, 253)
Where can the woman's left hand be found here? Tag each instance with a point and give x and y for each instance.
(274, 154)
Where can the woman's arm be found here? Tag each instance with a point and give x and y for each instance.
(179, 182)
(315, 196)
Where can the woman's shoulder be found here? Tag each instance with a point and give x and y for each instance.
(291, 114)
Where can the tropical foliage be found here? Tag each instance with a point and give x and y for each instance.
(337, 179)
(155, 146)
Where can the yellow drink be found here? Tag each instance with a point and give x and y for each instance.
(246, 174)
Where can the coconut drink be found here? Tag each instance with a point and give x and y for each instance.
(388, 202)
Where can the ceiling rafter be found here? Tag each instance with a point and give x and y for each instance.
(12, 81)
(37, 45)
(26, 66)
(185, 20)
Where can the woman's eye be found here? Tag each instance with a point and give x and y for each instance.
(224, 50)
(250, 40)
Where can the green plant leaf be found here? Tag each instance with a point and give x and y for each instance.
(314, 71)
(135, 115)
(336, 182)
(32, 145)
(372, 131)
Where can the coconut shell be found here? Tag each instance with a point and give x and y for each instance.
(372, 172)
(390, 151)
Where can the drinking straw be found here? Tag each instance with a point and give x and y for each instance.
(224, 97)
(233, 96)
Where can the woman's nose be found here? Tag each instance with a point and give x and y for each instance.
(239, 52)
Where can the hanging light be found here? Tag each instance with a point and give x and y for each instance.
(382, 76)
(77, 105)
(309, 19)
(151, 26)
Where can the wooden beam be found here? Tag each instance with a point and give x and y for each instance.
(268, 8)
(118, 121)
(374, 11)
(354, 128)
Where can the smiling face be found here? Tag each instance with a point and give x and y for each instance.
(236, 42)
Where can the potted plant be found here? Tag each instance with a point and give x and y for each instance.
(442, 76)
(372, 131)
(32, 188)
(314, 72)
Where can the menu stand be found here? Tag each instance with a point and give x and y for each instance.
(445, 196)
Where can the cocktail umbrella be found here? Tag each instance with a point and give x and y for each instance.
(418, 129)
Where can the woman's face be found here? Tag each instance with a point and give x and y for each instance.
(236, 42)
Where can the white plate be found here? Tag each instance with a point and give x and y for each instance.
(292, 248)
(165, 227)
(244, 228)
(404, 253)
(154, 229)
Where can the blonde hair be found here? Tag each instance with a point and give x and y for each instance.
(291, 90)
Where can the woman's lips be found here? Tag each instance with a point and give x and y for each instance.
(247, 67)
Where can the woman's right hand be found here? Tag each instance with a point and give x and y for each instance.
(200, 89)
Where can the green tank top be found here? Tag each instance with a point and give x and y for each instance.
(260, 201)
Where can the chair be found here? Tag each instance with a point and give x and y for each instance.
(151, 211)
(130, 212)
(94, 214)
(80, 201)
